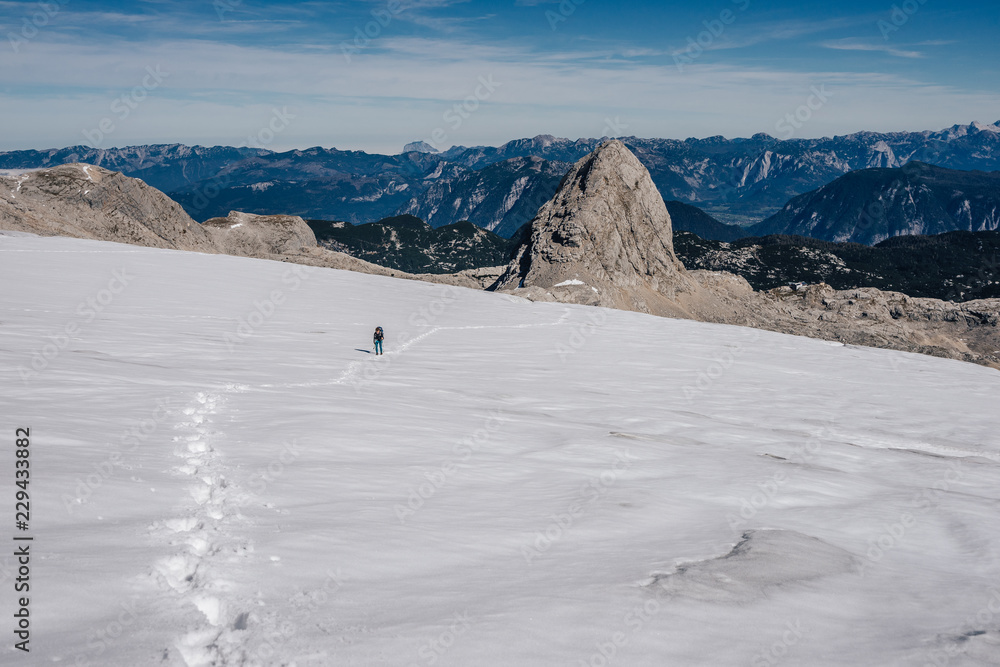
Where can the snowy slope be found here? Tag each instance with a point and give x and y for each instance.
(513, 483)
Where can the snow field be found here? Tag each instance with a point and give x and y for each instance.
(224, 475)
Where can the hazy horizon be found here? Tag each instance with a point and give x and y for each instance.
(473, 145)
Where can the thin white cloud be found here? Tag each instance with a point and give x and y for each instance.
(444, 24)
(111, 17)
(400, 88)
(742, 33)
(854, 45)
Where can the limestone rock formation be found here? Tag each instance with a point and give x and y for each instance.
(604, 239)
(867, 316)
(88, 202)
(262, 236)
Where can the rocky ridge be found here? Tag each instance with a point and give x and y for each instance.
(85, 201)
(88, 202)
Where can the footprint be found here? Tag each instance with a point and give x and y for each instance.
(199, 545)
(210, 607)
(198, 447)
(198, 648)
(181, 525)
(178, 571)
(201, 494)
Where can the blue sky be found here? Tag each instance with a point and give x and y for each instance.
(375, 74)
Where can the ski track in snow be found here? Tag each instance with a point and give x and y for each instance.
(209, 538)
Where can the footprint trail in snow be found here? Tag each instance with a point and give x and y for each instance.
(207, 537)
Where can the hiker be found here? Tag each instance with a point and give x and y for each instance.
(379, 335)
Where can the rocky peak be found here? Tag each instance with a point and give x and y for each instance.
(605, 239)
(419, 147)
(606, 230)
(983, 127)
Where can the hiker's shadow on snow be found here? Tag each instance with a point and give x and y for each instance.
(358, 349)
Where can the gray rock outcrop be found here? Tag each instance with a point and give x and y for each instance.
(605, 239)
(250, 235)
(867, 316)
(88, 202)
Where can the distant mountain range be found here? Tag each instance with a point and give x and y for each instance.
(871, 205)
(166, 167)
(498, 188)
(500, 197)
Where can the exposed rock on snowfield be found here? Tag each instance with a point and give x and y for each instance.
(288, 238)
(968, 331)
(88, 202)
(250, 235)
(605, 239)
